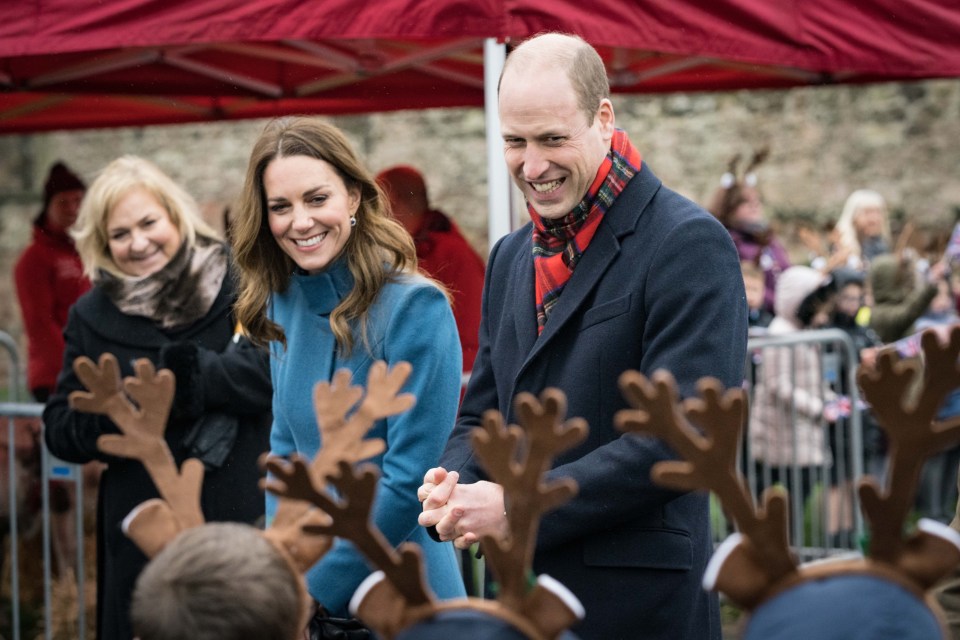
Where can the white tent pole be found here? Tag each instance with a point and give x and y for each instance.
(498, 181)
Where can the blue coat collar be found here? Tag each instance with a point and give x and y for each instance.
(324, 291)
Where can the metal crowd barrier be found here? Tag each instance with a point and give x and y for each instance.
(51, 468)
(825, 517)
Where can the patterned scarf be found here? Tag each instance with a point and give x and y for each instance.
(559, 243)
(180, 293)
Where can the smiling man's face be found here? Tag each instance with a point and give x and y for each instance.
(553, 151)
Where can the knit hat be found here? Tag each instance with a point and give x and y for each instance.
(793, 287)
(60, 179)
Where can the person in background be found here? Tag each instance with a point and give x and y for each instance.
(614, 272)
(162, 290)
(901, 294)
(863, 229)
(329, 280)
(849, 284)
(49, 279)
(442, 251)
(947, 592)
(787, 422)
(738, 206)
(937, 494)
(758, 318)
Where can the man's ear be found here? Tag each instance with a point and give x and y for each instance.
(606, 119)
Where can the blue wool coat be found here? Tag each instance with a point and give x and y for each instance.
(410, 321)
(658, 287)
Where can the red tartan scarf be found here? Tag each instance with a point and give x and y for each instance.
(559, 243)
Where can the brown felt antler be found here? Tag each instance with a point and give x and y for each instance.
(139, 406)
(913, 435)
(756, 563)
(708, 454)
(343, 444)
(517, 458)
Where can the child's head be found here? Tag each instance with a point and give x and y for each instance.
(850, 291)
(219, 581)
(753, 282)
(805, 297)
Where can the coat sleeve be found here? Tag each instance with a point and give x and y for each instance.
(481, 393)
(893, 321)
(421, 330)
(44, 334)
(234, 381)
(72, 435)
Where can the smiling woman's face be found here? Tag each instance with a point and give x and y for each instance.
(309, 209)
(141, 235)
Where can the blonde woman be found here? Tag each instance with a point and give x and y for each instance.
(329, 281)
(863, 230)
(162, 290)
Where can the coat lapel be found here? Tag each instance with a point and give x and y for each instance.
(524, 296)
(604, 249)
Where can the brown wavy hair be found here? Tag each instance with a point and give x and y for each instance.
(377, 250)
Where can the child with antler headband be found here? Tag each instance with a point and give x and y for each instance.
(329, 280)
(883, 595)
(738, 205)
(225, 581)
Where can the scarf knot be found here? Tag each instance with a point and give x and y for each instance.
(559, 244)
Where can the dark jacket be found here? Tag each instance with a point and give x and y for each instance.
(212, 380)
(898, 299)
(658, 287)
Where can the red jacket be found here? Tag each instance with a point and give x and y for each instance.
(49, 278)
(445, 255)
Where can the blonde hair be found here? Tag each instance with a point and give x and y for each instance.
(378, 249)
(115, 181)
(846, 227)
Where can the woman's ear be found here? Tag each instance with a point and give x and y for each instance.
(355, 196)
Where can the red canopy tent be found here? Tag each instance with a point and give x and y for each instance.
(67, 64)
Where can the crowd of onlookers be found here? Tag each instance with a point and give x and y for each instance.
(854, 275)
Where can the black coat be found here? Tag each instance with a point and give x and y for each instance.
(658, 287)
(211, 379)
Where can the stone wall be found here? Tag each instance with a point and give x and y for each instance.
(900, 139)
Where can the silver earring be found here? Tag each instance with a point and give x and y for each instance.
(353, 221)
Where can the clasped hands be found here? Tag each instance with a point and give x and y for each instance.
(461, 512)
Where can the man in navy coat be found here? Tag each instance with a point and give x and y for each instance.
(614, 272)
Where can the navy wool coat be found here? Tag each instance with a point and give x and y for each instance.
(659, 287)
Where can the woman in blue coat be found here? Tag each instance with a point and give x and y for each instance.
(329, 280)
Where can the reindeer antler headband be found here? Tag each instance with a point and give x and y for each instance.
(517, 459)
(749, 177)
(756, 563)
(398, 597)
(139, 406)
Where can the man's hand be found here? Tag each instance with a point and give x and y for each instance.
(462, 513)
(437, 486)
